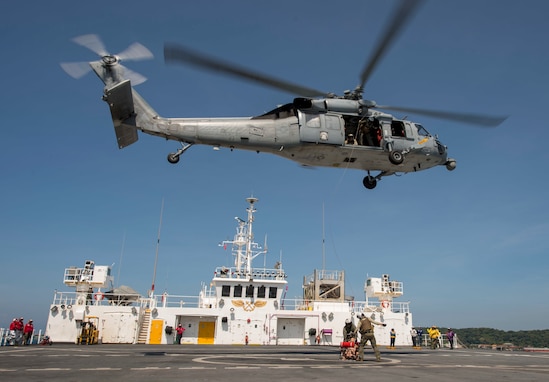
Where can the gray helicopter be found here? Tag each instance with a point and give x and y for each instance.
(316, 129)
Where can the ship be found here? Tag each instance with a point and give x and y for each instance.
(242, 305)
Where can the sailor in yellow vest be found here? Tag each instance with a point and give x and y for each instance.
(366, 330)
(434, 335)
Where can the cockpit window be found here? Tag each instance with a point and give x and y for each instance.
(421, 130)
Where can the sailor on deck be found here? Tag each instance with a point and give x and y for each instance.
(366, 330)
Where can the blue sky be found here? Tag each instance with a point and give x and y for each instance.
(470, 246)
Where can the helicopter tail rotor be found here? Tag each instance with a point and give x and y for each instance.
(135, 52)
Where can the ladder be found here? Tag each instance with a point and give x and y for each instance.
(144, 328)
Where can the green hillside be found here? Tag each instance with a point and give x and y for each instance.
(487, 336)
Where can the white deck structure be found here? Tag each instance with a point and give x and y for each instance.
(241, 305)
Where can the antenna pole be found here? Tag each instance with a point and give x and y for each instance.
(323, 241)
(157, 245)
(120, 264)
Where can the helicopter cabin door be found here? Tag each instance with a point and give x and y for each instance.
(321, 128)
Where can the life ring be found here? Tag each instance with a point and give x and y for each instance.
(385, 304)
(98, 296)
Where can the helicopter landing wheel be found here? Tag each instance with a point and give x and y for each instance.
(396, 157)
(369, 182)
(173, 158)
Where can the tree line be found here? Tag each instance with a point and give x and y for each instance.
(487, 336)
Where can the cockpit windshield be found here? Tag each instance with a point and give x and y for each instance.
(421, 131)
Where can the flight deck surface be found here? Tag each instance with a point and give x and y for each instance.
(67, 362)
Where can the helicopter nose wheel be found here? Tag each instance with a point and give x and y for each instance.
(174, 157)
(369, 182)
(396, 157)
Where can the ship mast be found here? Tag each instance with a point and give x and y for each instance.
(243, 246)
(250, 239)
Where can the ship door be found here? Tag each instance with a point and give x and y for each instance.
(321, 128)
(289, 331)
(155, 337)
(206, 332)
(118, 328)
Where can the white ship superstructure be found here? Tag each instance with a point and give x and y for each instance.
(241, 305)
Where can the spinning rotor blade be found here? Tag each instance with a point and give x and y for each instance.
(76, 69)
(400, 17)
(473, 119)
(93, 43)
(134, 77)
(135, 52)
(174, 53)
(80, 69)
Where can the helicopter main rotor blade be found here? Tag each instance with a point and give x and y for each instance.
(400, 17)
(473, 119)
(174, 53)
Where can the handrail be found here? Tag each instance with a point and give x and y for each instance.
(209, 300)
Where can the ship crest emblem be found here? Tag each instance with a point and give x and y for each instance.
(249, 306)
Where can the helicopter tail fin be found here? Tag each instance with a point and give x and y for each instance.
(129, 112)
(120, 100)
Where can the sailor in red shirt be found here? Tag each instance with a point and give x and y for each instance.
(10, 339)
(27, 333)
(19, 326)
(179, 330)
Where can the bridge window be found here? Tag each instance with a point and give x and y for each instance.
(250, 291)
(261, 291)
(272, 292)
(225, 290)
(237, 291)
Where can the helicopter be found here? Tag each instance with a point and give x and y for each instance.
(317, 128)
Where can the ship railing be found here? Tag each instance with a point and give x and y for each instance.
(352, 306)
(324, 274)
(208, 299)
(7, 337)
(166, 300)
(256, 273)
(66, 300)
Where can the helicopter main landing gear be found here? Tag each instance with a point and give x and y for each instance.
(369, 181)
(174, 157)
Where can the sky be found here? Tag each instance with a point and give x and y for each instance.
(470, 245)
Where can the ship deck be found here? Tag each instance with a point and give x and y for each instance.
(63, 362)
